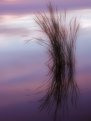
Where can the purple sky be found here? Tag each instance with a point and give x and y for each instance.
(25, 6)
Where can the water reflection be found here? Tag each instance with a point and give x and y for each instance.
(22, 71)
(62, 89)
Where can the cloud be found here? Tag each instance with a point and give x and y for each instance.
(26, 6)
(14, 31)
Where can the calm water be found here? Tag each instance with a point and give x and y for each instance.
(23, 69)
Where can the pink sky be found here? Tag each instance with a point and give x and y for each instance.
(25, 6)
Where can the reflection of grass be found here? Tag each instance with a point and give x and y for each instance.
(62, 38)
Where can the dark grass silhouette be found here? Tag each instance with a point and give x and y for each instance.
(61, 42)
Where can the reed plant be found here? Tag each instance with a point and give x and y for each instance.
(61, 43)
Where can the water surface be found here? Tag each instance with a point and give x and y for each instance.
(23, 69)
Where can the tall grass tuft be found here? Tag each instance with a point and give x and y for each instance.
(61, 41)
